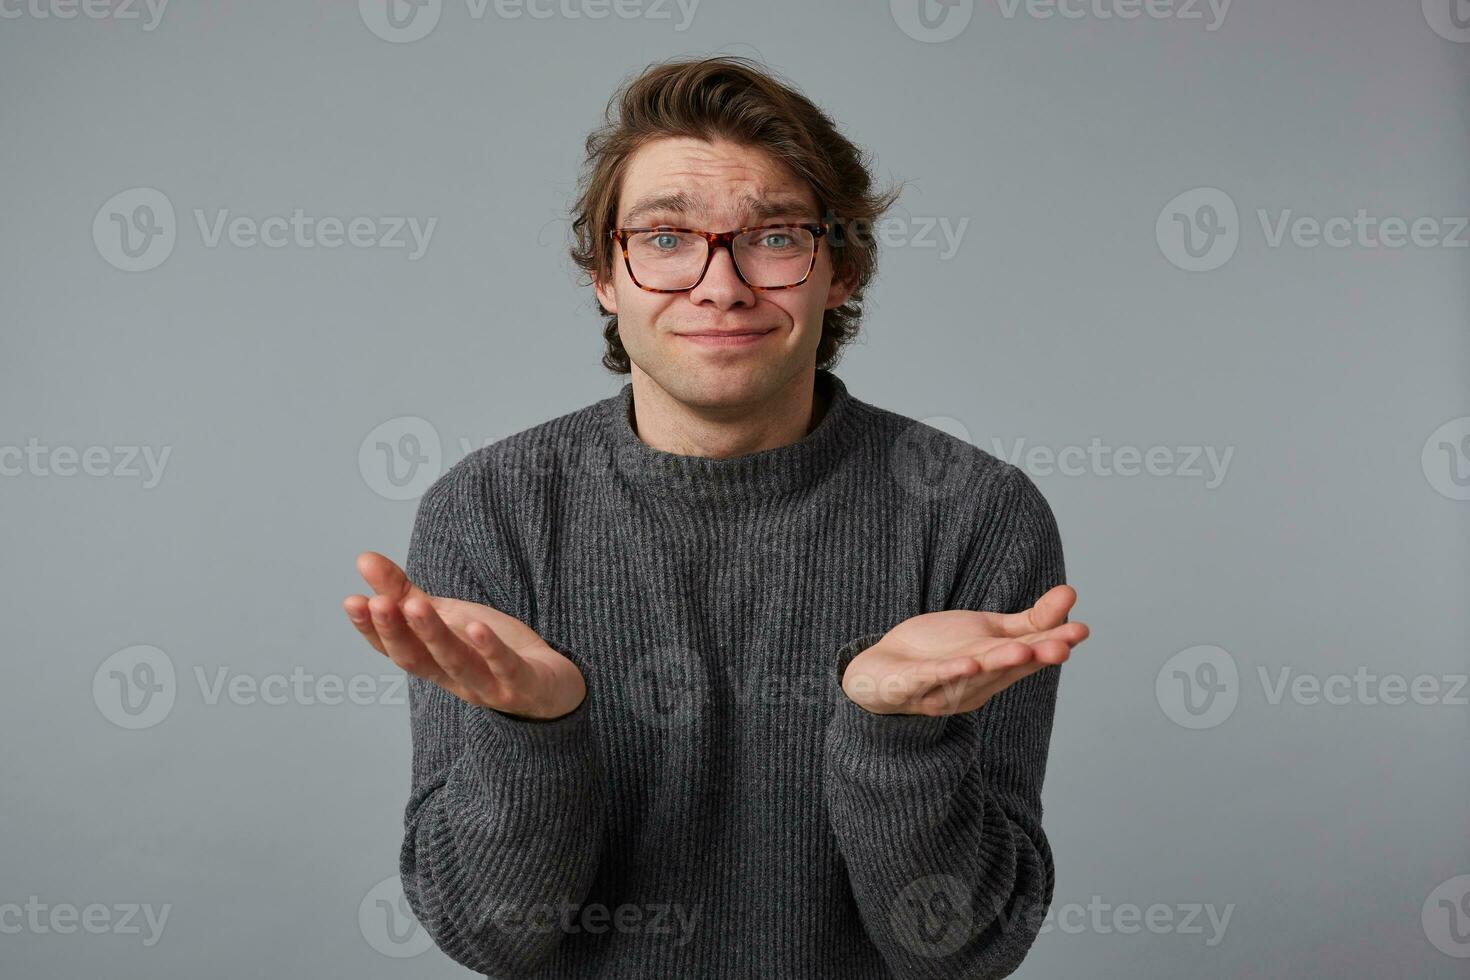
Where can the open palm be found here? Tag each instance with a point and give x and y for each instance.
(475, 652)
(955, 660)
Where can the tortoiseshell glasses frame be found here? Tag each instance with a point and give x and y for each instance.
(715, 239)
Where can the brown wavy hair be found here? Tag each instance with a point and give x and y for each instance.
(736, 99)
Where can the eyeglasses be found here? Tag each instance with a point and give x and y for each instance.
(665, 259)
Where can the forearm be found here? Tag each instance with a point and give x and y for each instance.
(497, 843)
(947, 861)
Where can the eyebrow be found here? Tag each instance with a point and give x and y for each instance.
(681, 203)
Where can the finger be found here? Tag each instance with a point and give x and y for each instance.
(1045, 653)
(1005, 667)
(453, 655)
(957, 669)
(385, 577)
(970, 693)
(966, 693)
(1050, 610)
(508, 666)
(973, 680)
(1070, 633)
(1049, 652)
(356, 607)
(1005, 656)
(399, 641)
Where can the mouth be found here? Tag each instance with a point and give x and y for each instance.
(726, 338)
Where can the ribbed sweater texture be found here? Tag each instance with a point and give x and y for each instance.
(717, 807)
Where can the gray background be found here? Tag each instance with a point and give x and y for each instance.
(1333, 833)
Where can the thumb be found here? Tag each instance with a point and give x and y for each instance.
(1050, 610)
(385, 577)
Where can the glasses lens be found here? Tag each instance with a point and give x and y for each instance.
(767, 257)
(772, 257)
(666, 259)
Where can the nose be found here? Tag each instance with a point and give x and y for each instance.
(721, 284)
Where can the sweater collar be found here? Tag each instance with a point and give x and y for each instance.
(767, 473)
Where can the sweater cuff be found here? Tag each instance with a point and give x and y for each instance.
(487, 728)
(897, 730)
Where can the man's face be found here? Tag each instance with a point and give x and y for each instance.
(727, 186)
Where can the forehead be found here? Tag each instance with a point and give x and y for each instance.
(702, 179)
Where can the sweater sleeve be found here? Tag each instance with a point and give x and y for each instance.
(939, 817)
(504, 821)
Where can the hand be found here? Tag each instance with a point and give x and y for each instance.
(949, 662)
(475, 652)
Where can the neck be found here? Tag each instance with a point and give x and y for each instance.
(707, 465)
(722, 430)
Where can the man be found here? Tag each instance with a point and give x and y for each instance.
(719, 677)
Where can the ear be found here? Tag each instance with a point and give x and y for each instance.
(838, 292)
(606, 294)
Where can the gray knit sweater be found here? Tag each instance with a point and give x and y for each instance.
(717, 807)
